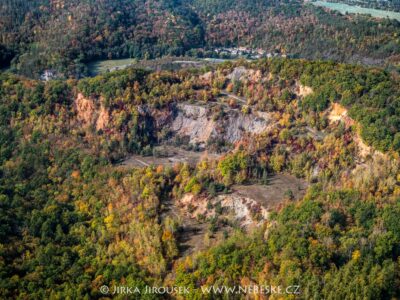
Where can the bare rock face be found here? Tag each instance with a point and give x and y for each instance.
(103, 120)
(193, 121)
(89, 114)
(338, 113)
(198, 123)
(206, 78)
(85, 109)
(239, 125)
(247, 211)
(237, 74)
(243, 74)
(303, 90)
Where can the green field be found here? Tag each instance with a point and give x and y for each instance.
(345, 8)
(163, 63)
(102, 66)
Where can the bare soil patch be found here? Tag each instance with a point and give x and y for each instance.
(170, 156)
(192, 237)
(275, 192)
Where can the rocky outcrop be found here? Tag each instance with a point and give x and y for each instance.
(338, 113)
(200, 125)
(89, 113)
(243, 74)
(206, 77)
(248, 212)
(239, 125)
(103, 120)
(193, 121)
(85, 109)
(303, 90)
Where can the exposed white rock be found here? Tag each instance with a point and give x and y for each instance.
(243, 74)
(197, 123)
(248, 212)
(192, 121)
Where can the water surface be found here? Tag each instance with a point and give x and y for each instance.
(345, 8)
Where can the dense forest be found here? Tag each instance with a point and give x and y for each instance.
(73, 221)
(64, 35)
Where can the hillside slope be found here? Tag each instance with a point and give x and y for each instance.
(63, 35)
(74, 219)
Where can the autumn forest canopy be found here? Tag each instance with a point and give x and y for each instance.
(280, 172)
(65, 35)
